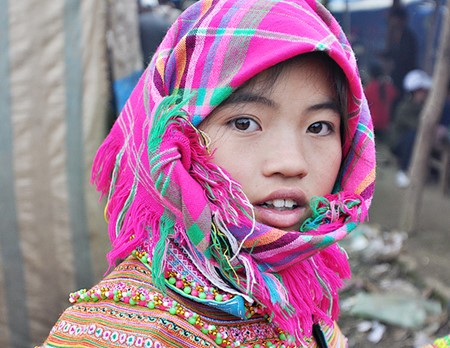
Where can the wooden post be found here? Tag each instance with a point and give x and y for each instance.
(425, 135)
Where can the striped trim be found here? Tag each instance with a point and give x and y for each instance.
(10, 252)
(334, 336)
(74, 143)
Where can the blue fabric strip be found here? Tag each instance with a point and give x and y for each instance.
(74, 143)
(11, 254)
(123, 88)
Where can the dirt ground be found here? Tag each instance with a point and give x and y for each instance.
(429, 245)
(423, 261)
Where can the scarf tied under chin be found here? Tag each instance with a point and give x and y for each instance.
(179, 193)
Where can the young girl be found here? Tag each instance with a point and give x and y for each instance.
(244, 154)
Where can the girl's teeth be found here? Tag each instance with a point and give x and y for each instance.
(288, 203)
(281, 203)
(278, 203)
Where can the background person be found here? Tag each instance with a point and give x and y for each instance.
(416, 85)
(380, 93)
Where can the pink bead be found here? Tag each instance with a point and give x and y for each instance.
(194, 293)
(179, 284)
(210, 297)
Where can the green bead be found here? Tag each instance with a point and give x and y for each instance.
(219, 339)
(172, 280)
(151, 305)
(218, 298)
(205, 331)
(132, 302)
(192, 320)
(202, 295)
(173, 310)
(282, 336)
(187, 289)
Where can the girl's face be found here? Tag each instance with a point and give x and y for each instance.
(281, 142)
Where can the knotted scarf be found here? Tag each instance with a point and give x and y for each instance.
(157, 172)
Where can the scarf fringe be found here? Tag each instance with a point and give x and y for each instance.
(312, 293)
(106, 162)
(166, 229)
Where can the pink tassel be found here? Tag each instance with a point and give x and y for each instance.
(311, 299)
(105, 160)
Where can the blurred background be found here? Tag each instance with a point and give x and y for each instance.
(66, 69)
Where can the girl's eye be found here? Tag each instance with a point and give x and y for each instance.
(320, 128)
(245, 124)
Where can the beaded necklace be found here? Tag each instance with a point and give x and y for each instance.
(140, 296)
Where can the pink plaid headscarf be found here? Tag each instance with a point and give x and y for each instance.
(161, 183)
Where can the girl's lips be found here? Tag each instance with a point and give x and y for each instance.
(282, 219)
(285, 218)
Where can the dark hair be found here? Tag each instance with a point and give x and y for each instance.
(337, 78)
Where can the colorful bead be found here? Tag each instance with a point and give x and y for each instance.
(443, 342)
(141, 297)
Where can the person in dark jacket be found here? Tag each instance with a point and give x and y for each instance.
(403, 134)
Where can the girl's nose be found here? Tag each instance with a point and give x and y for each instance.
(285, 158)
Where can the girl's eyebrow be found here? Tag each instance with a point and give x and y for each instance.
(326, 105)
